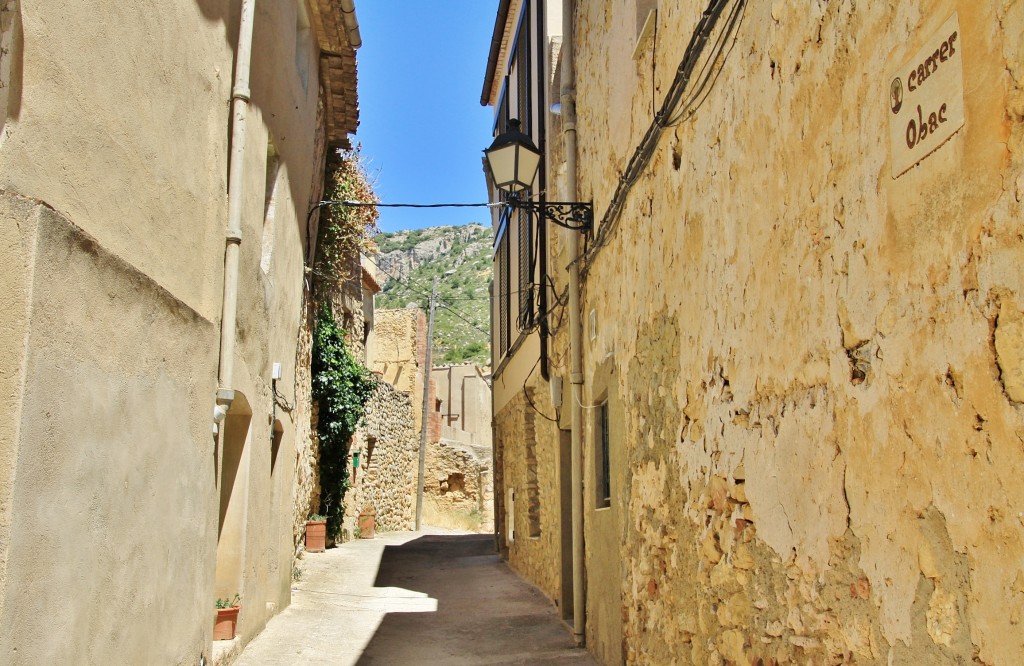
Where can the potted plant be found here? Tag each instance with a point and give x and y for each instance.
(316, 533)
(227, 618)
(367, 522)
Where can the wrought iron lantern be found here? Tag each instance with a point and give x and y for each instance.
(513, 160)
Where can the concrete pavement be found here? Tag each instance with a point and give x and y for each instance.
(413, 598)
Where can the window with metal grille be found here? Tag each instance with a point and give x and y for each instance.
(602, 456)
(517, 235)
(525, 285)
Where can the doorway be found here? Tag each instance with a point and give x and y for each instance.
(565, 511)
(234, 487)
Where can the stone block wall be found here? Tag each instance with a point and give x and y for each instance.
(398, 348)
(817, 363)
(306, 494)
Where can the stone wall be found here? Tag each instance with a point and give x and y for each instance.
(400, 356)
(398, 348)
(538, 557)
(458, 487)
(306, 493)
(388, 452)
(815, 364)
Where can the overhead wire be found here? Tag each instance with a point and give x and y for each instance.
(529, 401)
(368, 204)
(716, 62)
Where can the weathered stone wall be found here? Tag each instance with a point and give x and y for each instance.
(458, 486)
(306, 494)
(397, 351)
(538, 557)
(388, 452)
(306, 491)
(400, 356)
(817, 364)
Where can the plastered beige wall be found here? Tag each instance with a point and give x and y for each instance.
(101, 100)
(113, 172)
(465, 403)
(104, 444)
(270, 306)
(818, 363)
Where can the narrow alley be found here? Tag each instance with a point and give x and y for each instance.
(413, 598)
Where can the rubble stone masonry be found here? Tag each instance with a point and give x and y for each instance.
(458, 486)
(536, 555)
(819, 366)
(388, 460)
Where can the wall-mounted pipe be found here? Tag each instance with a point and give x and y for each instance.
(572, 243)
(236, 177)
(348, 13)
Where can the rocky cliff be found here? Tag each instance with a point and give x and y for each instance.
(460, 257)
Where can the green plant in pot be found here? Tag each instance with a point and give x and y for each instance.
(316, 533)
(227, 618)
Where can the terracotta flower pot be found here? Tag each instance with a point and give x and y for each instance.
(224, 625)
(367, 522)
(316, 536)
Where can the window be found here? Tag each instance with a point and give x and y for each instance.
(510, 515)
(518, 261)
(502, 268)
(602, 456)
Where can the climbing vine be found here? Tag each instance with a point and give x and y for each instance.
(341, 388)
(346, 231)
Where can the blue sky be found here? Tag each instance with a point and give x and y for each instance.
(422, 129)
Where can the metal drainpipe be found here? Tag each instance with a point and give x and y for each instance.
(572, 242)
(236, 168)
(348, 14)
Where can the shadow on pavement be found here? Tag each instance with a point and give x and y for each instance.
(485, 613)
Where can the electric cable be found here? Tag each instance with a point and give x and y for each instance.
(526, 394)
(371, 204)
(673, 110)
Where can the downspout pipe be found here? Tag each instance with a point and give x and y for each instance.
(233, 238)
(572, 243)
(348, 14)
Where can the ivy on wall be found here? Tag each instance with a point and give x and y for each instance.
(341, 388)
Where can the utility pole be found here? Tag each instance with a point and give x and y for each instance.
(426, 402)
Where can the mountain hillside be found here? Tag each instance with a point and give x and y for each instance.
(460, 257)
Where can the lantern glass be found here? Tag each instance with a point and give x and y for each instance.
(513, 160)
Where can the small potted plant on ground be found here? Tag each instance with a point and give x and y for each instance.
(367, 522)
(316, 533)
(227, 618)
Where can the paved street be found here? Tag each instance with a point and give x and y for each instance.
(414, 598)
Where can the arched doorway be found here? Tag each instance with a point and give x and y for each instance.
(234, 490)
